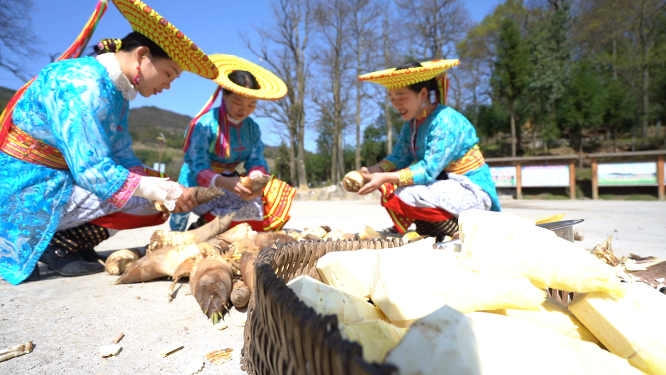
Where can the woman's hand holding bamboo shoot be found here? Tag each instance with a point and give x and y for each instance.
(233, 184)
(169, 193)
(186, 202)
(375, 179)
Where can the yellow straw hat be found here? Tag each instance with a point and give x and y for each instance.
(394, 79)
(180, 48)
(270, 86)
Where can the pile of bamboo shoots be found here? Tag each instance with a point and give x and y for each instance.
(482, 308)
(218, 261)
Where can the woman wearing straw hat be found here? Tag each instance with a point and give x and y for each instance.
(436, 169)
(218, 140)
(68, 170)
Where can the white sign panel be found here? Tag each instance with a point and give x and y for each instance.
(545, 176)
(627, 174)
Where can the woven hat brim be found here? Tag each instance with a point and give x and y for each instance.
(271, 87)
(180, 48)
(394, 79)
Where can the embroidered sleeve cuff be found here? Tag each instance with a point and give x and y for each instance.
(120, 197)
(204, 177)
(259, 170)
(145, 171)
(212, 181)
(386, 165)
(405, 176)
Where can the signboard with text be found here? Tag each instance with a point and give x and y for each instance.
(627, 174)
(503, 176)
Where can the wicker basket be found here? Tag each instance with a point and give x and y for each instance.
(282, 334)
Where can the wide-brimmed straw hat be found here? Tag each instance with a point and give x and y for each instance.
(394, 79)
(180, 48)
(270, 86)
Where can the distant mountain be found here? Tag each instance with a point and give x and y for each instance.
(162, 119)
(5, 95)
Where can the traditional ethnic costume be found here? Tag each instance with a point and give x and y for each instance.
(215, 145)
(68, 169)
(442, 170)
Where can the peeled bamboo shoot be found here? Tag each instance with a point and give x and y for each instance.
(552, 315)
(327, 300)
(448, 342)
(350, 271)
(503, 243)
(376, 337)
(631, 327)
(443, 281)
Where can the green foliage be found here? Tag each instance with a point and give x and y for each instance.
(493, 119)
(583, 103)
(146, 124)
(374, 144)
(618, 106)
(511, 73)
(282, 168)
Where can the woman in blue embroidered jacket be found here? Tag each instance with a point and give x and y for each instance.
(219, 139)
(436, 169)
(67, 158)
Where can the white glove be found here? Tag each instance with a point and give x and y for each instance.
(159, 189)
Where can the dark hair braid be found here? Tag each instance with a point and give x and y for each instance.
(129, 43)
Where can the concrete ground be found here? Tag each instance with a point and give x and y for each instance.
(69, 318)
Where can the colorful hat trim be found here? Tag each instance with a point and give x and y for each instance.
(270, 86)
(394, 79)
(180, 48)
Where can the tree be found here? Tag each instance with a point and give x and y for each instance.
(583, 103)
(550, 58)
(17, 39)
(387, 59)
(511, 72)
(283, 47)
(435, 26)
(333, 23)
(364, 14)
(648, 31)
(619, 106)
(374, 143)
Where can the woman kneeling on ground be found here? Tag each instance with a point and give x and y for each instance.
(436, 169)
(220, 139)
(70, 177)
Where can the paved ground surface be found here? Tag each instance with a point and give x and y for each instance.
(69, 318)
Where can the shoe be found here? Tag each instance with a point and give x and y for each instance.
(68, 263)
(34, 276)
(90, 255)
(392, 230)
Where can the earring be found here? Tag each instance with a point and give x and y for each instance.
(425, 113)
(137, 79)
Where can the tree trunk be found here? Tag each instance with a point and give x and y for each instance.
(646, 87)
(292, 157)
(334, 158)
(358, 125)
(302, 176)
(614, 139)
(513, 129)
(580, 148)
(341, 156)
(389, 126)
(359, 51)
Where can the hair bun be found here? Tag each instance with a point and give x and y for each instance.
(108, 45)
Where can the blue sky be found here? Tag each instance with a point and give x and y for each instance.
(213, 25)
